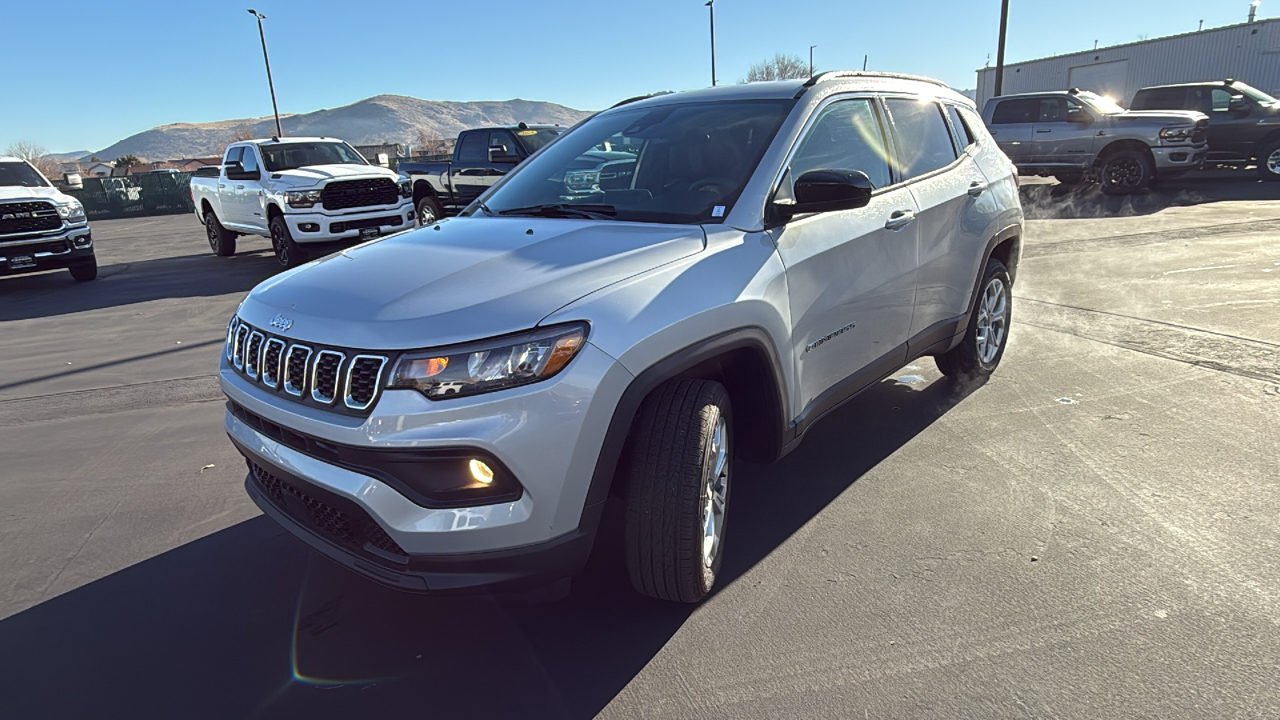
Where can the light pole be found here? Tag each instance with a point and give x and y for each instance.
(1004, 25)
(711, 5)
(265, 59)
(811, 47)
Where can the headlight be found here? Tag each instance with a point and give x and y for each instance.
(72, 211)
(406, 188)
(1176, 133)
(302, 198)
(491, 365)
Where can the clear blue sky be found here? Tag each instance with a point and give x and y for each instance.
(117, 68)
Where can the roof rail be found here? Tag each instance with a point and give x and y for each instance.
(834, 74)
(638, 98)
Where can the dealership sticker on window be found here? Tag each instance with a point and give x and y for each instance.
(526, 132)
(717, 211)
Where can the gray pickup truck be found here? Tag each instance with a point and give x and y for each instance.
(1075, 135)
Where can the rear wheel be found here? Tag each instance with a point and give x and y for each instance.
(1069, 178)
(680, 459)
(221, 241)
(1125, 171)
(288, 254)
(86, 272)
(428, 211)
(978, 354)
(1269, 161)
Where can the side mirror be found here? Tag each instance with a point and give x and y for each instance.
(1238, 105)
(1078, 115)
(73, 181)
(498, 154)
(826, 191)
(236, 171)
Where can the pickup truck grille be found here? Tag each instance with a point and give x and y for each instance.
(28, 217)
(359, 193)
(339, 379)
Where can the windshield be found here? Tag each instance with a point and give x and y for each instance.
(1253, 94)
(534, 138)
(290, 156)
(667, 164)
(1104, 105)
(20, 174)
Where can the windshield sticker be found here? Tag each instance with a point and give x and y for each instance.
(717, 211)
(524, 133)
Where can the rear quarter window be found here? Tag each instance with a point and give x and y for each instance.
(1161, 99)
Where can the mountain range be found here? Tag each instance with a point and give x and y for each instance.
(379, 119)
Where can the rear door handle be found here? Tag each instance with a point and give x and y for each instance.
(222, 185)
(1044, 130)
(977, 187)
(900, 219)
(239, 187)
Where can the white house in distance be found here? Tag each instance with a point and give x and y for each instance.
(1249, 52)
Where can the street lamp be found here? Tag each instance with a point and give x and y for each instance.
(271, 85)
(811, 47)
(711, 4)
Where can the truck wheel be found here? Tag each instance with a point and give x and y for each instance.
(1069, 178)
(1124, 172)
(221, 241)
(288, 254)
(680, 458)
(86, 272)
(978, 354)
(1269, 161)
(428, 211)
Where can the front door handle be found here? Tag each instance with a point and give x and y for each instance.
(1044, 130)
(239, 187)
(900, 219)
(977, 187)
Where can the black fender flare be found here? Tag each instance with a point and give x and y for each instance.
(1013, 232)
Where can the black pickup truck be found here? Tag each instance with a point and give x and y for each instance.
(1244, 123)
(480, 158)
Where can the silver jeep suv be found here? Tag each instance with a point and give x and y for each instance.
(448, 409)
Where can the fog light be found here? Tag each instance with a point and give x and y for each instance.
(309, 227)
(408, 217)
(481, 472)
(83, 241)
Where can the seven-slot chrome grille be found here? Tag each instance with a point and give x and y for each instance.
(338, 379)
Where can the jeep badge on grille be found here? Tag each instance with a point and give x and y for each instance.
(280, 322)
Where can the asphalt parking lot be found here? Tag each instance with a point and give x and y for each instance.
(1093, 533)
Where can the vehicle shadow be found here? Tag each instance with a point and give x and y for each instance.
(198, 275)
(1049, 200)
(248, 623)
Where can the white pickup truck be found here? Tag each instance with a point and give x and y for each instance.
(309, 195)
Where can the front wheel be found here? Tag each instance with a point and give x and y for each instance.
(428, 211)
(86, 272)
(680, 458)
(987, 334)
(288, 254)
(1125, 171)
(1269, 161)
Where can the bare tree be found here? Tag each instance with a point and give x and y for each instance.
(780, 67)
(242, 133)
(38, 156)
(429, 142)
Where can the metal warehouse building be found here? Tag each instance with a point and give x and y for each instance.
(1249, 52)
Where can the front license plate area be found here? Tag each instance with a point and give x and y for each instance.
(369, 233)
(18, 262)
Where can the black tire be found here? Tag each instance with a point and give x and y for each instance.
(221, 241)
(1269, 161)
(672, 455)
(86, 272)
(1069, 178)
(288, 253)
(1125, 171)
(429, 211)
(971, 360)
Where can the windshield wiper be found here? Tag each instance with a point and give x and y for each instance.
(562, 210)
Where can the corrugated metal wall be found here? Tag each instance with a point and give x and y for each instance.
(1248, 52)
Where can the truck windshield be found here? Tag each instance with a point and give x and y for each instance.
(20, 174)
(1104, 105)
(1253, 94)
(683, 163)
(534, 138)
(290, 156)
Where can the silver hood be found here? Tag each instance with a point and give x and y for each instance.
(472, 278)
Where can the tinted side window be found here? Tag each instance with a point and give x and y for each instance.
(250, 160)
(233, 155)
(1053, 110)
(923, 138)
(1025, 110)
(503, 140)
(962, 127)
(1162, 99)
(1221, 100)
(846, 136)
(472, 149)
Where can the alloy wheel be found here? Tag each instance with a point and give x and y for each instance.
(993, 320)
(715, 494)
(1125, 172)
(280, 246)
(1273, 162)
